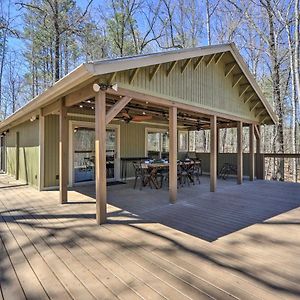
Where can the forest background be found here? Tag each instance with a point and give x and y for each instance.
(43, 40)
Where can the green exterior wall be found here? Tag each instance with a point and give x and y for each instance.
(132, 144)
(28, 152)
(204, 87)
(51, 140)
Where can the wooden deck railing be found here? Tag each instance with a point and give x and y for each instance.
(278, 166)
(271, 166)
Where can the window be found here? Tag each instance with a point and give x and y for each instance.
(183, 141)
(192, 141)
(157, 143)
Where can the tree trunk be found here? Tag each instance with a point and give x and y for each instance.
(276, 83)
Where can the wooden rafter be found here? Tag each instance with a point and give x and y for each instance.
(112, 77)
(219, 58)
(255, 105)
(259, 111)
(185, 65)
(210, 60)
(133, 75)
(171, 68)
(51, 108)
(244, 88)
(155, 70)
(198, 62)
(248, 97)
(236, 79)
(264, 118)
(229, 68)
(80, 95)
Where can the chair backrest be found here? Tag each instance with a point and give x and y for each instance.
(137, 167)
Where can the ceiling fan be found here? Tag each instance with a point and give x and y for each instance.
(135, 118)
(197, 127)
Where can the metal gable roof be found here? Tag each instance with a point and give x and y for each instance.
(89, 70)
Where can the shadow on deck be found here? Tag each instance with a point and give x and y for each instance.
(198, 212)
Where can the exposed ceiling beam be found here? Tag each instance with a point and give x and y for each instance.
(229, 68)
(116, 108)
(219, 58)
(210, 60)
(155, 70)
(236, 79)
(171, 68)
(133, 75)
(197, 63)
(185, 65)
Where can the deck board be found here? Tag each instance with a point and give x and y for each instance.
(238, 243)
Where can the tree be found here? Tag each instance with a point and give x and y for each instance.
(61, 19)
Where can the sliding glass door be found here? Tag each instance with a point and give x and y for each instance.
(84, 154)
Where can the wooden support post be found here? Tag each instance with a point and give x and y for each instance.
(17, 155)
(173, 154)
(239, 152)
(251, 152)
(100, 156)
(41, 151)
(260, 161)
(63, 153)
(213, 153)
(218, 147)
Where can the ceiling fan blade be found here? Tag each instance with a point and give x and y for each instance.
(126, 115)
(141, 118)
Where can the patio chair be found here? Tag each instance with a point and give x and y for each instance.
(184, 172)
(196, 170)
(142, 174)
(226, 170)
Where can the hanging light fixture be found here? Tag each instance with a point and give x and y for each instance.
(104, 86)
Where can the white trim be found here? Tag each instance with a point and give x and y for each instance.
(81, 116)
(185, 133)
(72, 125)
(155, 130)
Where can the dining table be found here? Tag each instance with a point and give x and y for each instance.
(154, 169)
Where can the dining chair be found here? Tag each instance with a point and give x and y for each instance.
(184, 172)
(141, 173)
(197, 170)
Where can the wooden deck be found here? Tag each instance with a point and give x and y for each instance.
(242, 242)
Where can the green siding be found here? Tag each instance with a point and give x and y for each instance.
(51, 165)
(28, 152)
(204, 87)
(132, 143)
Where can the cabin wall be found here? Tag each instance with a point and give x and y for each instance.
(205, 87)
(132, 144)
(23, 156)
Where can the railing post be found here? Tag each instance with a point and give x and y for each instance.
(213, 153)
(251, 152)
(239, 152)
